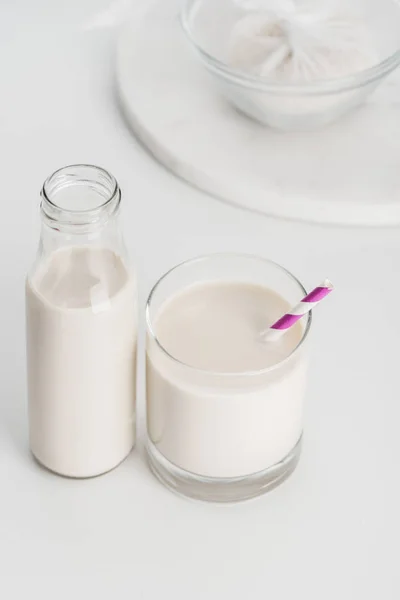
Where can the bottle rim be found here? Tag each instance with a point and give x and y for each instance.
(105, 196)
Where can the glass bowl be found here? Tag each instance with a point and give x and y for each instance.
(286, 105)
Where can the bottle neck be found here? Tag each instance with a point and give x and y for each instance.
(80, 200)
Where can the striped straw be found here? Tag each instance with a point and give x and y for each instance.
(305, 306)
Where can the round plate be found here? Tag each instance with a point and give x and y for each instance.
(348, 173)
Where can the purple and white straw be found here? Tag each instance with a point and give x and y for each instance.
(295, 314)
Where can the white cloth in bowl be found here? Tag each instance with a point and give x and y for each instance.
(299, 41)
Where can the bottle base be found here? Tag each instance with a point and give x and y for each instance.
(66, 475)
(221, 490)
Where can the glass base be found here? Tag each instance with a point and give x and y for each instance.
(211, 489)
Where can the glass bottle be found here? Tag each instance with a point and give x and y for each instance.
(81, 308)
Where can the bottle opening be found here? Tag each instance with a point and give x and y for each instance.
(80, 194)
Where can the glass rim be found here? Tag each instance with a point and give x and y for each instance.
(205, 257)
(113, 194)
(325, 86)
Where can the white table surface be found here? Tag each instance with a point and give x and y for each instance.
(331, 531)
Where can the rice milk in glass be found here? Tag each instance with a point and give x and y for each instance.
(224, 408)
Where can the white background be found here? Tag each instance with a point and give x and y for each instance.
(331, 531)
